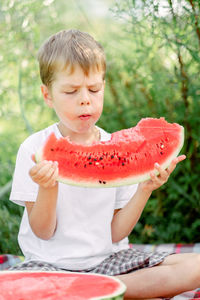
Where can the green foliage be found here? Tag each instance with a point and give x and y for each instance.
(152, 65)
(160, 79)
(9, 229)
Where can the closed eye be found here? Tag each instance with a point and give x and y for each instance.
(94, 91)
(71, 92)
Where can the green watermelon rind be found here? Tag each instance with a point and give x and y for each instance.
(118, 182)
(117, 295)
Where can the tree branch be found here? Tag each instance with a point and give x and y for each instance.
(196, 16)
(116, 100)
(27, 124)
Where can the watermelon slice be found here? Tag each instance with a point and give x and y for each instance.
(127, 158)
(59, 285)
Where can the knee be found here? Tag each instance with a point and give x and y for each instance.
(197, 264)
(198, 259)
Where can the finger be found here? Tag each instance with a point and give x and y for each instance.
(52, 180)
(46, 176)
(154, 178)
(178, 159)
(55, 165)
(51, 173)
(55, 174)
(163, 174)
(181, 158)
(45, 171)
(36, 168)
(42, 170)
(174, 162)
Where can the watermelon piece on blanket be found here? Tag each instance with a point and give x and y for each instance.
(127, 158)
(59, 285)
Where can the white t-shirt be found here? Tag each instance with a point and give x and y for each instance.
(83, 235)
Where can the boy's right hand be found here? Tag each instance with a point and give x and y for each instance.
(45, 173)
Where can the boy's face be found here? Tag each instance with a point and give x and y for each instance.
(77, 99)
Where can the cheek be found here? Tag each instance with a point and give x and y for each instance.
(101, 108)
(64, 112)
(99, 103)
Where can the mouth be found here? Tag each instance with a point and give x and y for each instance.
(85, 117)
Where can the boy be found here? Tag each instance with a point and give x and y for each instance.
(73, 228)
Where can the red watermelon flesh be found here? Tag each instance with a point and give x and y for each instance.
(57, 285)
(127, 158)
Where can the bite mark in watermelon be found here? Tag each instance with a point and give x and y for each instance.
(127, 158)
(59, 285)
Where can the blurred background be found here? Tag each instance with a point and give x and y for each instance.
(153, 70)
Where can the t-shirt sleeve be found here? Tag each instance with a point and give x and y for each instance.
(124, 194)
(23, 187)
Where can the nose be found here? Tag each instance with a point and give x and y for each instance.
(84, 98)
(85, 102)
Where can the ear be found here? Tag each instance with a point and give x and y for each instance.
(47, 95)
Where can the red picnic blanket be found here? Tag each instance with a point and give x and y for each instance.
(9, 260)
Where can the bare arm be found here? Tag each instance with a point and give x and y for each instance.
(125, 219)
(42, 213)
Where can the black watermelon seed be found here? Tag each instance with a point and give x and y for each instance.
(119, 158)
(100, 181)
(112, 156)
(104, 182)
(52, 149)
(85, 166)
(101, 158)
(94, 159)
(161, 153)
(90, 163)
(123, 164)
(89, 157)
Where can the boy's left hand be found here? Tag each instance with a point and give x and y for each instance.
(158, 180)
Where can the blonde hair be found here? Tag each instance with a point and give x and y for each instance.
(66, 49)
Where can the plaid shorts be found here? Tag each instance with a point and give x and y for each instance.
(122, 262)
